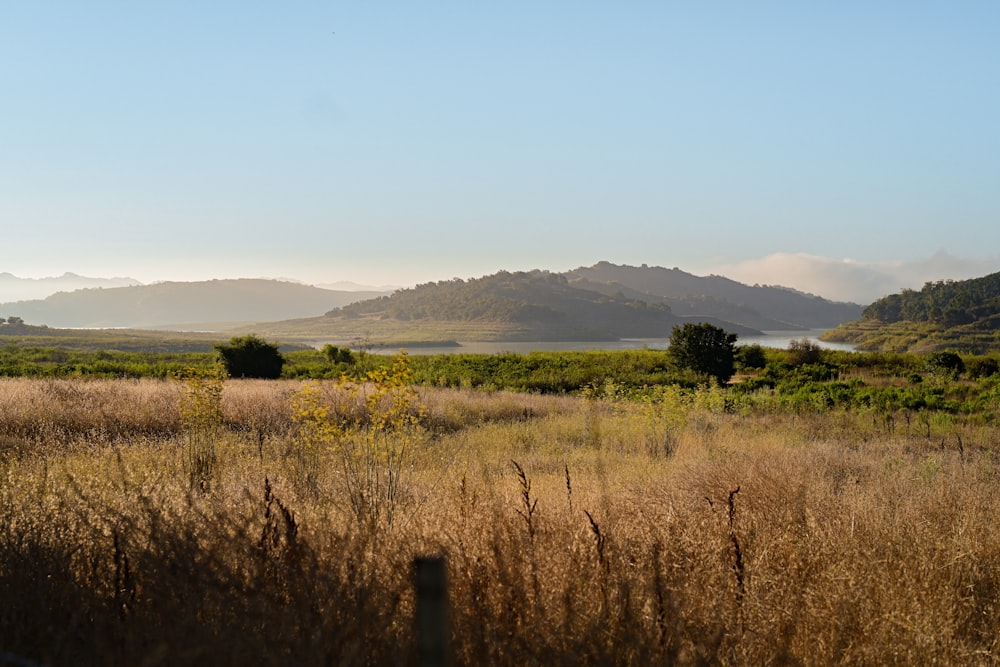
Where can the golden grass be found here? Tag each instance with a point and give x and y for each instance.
(753, 539)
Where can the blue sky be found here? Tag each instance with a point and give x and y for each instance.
(401, 142)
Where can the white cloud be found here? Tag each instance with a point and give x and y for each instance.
(850, 280)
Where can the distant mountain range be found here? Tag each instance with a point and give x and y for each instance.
(348, 286)
(13, 288)
(601, 302)
(204, 305)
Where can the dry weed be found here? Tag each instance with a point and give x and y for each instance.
(759, 538)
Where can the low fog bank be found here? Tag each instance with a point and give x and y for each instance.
(850, 280)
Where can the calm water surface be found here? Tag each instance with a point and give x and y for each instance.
(779, 339)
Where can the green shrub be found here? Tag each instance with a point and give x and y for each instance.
(982, 367)
(751, 356)
(945, 363)
(251, 357)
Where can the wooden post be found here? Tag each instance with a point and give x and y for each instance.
(431, 622)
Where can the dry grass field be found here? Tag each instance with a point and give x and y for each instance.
(276, 523)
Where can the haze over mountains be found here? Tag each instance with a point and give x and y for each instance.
(204, 305)
(759, 306)
(601, 302)
(852, 280)
(13, 288)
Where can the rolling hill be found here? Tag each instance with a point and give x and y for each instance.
(758, 306)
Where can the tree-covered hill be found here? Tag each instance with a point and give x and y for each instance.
(538, 300)
(534, 305)
(695, 306)
(961, 315)
(502, 297)
(947, 302)
(542, 296)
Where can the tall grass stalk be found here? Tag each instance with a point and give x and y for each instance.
(201, 415)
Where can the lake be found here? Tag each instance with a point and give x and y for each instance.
(779, 339)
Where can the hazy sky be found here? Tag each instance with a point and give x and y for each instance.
(401, 142)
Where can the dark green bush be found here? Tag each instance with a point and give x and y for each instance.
(946, 363)
(251, 357)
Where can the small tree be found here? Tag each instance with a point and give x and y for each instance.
(704, 348)
(751, 356)
(804, 351)
(251, 357)
(338, 355)
(946, 363)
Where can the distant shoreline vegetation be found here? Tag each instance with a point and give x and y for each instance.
(770, 339)
(417, 344)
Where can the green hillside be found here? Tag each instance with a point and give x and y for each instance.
(959, 315)
(537, 304)
(536, 298)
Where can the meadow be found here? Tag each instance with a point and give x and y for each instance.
(203, 520)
